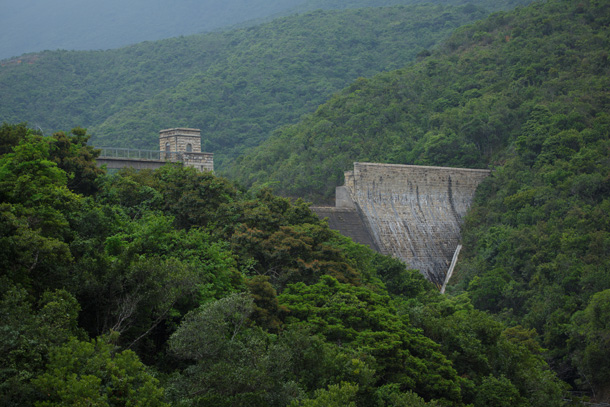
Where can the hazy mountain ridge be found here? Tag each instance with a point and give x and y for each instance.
(90, 25)
(236, 86)
(37, 25)
(460, 94)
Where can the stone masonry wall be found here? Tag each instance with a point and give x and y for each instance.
(348, 221)
(178, 138)
(200, 161)
(414, 212)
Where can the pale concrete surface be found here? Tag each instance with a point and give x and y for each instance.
(411, 212)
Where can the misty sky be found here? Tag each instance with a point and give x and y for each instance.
(36, 25)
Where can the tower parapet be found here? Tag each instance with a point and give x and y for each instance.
(184, 144)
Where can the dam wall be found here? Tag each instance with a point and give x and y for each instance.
(412, 212)
(349, 222)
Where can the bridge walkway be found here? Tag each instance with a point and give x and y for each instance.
(116, 158)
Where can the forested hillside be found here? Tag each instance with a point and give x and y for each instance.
(524, 93)
(174, 287)
(456, 107)
(236, 86)
(38, 25)
(310, 5)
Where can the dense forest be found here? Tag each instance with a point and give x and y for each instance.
(236, 86)
(524, 93)
(463, 105)
(175, 287)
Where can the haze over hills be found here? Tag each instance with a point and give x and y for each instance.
(237, 86)
(37, 25)
(458, 106)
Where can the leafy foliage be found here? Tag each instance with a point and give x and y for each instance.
(174, 286)
(92, 373)
(524, 93)
(236, 86)
(359, 318)
(28, 335)
(463, 105)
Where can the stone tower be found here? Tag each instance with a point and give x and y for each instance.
(184, 145)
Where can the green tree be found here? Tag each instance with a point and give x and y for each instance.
(77, 159)
(267, 312)
(337, 395)
(498, 392)
(94, 373)
(11, 135)
(591, 338)
(30, 332)
(361, 319)
(35, 202)
(234, 364)
(390, 395)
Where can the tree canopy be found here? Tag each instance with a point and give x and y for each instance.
(175, 287)
(523, 93)
(179, 287)
(236, 86)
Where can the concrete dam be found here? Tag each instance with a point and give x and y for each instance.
(410, 212)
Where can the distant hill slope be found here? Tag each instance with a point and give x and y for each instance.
(37, 25)
(236, 86)
(457, 107)
(526, 94)
(490, 5)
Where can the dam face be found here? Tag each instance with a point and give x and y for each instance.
(410, 212)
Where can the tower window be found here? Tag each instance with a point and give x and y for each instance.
(189, 148)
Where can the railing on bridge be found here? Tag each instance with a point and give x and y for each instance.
(133, 154)
(114, 158)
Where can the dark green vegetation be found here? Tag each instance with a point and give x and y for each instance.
(236, 86)
(176, 287)
(184, 288)
(526, 94)
(460, 106)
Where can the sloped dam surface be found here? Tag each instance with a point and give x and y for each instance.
(410, 212)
